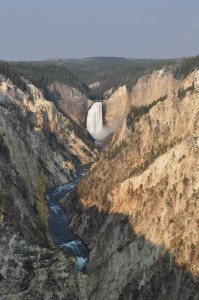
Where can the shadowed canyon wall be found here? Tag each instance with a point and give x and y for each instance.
(138, 207)
(34, 136)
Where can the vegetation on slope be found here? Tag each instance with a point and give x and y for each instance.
(186, 66)
(42, 209)
(81, 133)
(126, 156)
(136, 112)
(11, 73)
(42, 75)
(4, 199)
(4, 150)
(182, 92)
(112, 72)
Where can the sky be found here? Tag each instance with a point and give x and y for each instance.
(44, 29)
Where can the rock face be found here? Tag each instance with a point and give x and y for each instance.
(148, 88)
(116, 107)
(70, 101)
(138, 209)
(34, 135)
(28, 272)
(94, 85)
(152, 87)
(196, 80)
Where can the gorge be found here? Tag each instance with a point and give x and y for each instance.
(59, 224)
(123, 222)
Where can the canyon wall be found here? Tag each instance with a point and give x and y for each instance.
(116, 107)
(29, 272)
(152, 86)
(147, 89)
(138, 209)
(70, 101)
(34, 136)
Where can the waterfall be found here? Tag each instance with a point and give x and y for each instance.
(95, 120)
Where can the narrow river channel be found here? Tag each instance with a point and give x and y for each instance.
(59, 223)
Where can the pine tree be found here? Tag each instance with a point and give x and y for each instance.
(4, 197)
(43, 209)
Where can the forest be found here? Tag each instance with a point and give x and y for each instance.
(112, 72)
(186, 66)
(109, 72)
(11, 73)
(43, 74)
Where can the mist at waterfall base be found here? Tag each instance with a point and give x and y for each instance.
(95, 122)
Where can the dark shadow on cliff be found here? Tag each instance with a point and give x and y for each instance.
(144, 270)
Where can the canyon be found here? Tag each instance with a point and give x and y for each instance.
(140, 220)
(136, 210)
(35, 136)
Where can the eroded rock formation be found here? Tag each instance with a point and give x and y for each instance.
(70, 101)
(138, 209)
(148, 89)
(34, 135)
(28, 272)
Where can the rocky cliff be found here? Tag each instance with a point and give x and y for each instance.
(34, 136)
(70, 101)
(28, 272)
(138, 208)
(115, 108)
(147, 89)
(153, 86)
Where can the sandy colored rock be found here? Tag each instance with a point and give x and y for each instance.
(196, 80)
(70, 101)
(34, 136)
(152, 87)
(140, 214)
(148, 89)
(115, 108)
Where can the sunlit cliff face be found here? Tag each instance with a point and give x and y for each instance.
(153, 178)
(35, 136)
(139, 207)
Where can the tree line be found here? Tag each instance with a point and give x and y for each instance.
(110, 72)
(43, 74)
(186, 66)
(11, 73)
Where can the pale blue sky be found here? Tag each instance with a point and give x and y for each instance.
(42, 29)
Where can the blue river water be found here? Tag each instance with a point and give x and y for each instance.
(59, 223)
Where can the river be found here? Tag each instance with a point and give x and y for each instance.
(59, 223)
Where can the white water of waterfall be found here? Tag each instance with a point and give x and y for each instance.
(95, 120)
